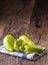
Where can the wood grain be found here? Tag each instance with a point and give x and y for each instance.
(18, 24)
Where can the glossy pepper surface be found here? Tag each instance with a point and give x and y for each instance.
(25, 45)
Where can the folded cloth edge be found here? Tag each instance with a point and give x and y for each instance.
(32, 56)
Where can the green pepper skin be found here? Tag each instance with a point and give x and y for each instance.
(8, 42)
(26, 40)
(35, 48)
(25, 45)
(19, 45)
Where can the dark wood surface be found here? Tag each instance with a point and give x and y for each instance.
(20, 24)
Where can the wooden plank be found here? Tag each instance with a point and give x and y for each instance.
(1, 30)
(4, 27)
(43, 42)
(27, 62)
(5, 59)
(18, 27)
(9, 60)
(19, 60)
(25, 14)
(34, 34)
(14, 27)
(11, 7)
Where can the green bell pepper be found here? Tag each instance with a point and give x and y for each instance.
(25, 45)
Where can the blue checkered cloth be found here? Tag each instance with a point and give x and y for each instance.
(32, 56)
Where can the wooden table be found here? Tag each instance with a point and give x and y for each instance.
(20, 24)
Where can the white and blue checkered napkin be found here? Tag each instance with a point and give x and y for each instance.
(32, 56)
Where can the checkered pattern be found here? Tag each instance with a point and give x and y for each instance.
(32, 56)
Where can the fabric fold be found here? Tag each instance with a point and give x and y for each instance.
(32, 56)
